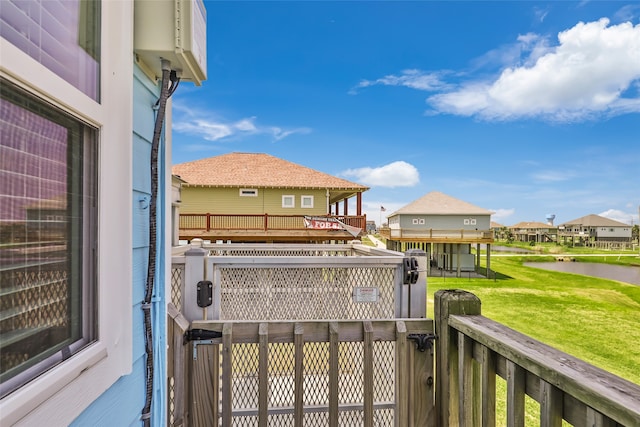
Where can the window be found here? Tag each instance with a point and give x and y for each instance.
(288, 201)
(248, 192)
(99, 141)
(306, 201)
(47, 229)
(64, 36)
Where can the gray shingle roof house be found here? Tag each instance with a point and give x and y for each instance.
(596, 228)
(533, 231)
(443, 226)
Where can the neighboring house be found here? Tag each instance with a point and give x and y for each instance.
(444, 227)
(76, 114)
(594, 228)
(537, 232)
(498, 230)
(255, 197)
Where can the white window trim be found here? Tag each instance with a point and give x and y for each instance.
(59, 395)
(303, 198)
(288, 197)
(248, 192)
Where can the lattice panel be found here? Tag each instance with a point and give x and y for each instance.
(278, 293)
(245, 376)
(177, 283)
(281, 389)
(32, 300)
(384, 371)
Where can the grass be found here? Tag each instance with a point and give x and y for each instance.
(590, 318)
(593, 319)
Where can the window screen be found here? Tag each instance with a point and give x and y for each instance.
(48, 175)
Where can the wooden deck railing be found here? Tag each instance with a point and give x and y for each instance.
(472, 350)
(262, 369)
(263, 222)
(437, 235)
(334, 373)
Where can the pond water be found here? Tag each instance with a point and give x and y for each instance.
(620, 273)
(507, 249)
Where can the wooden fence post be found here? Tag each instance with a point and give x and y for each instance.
(448, 302)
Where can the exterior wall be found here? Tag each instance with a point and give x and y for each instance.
(603, 233)
(445, 222)
(102, 379)
(613, 233)
(128, 394)
(203, 200)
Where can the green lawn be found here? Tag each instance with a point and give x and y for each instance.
(594, 319)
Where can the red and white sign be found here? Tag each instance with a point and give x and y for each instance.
(322, 223)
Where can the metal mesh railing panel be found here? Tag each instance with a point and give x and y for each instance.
(278, 293)
(281, 389)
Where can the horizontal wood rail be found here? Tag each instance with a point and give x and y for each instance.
(473, 349)
(262, 222)
(435, 235)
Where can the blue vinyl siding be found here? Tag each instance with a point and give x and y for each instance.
(122, 404)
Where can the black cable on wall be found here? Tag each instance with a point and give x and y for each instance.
(165, 92)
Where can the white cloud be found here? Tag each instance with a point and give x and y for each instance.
(414, 79)
(553, 176)
(585, 75)
(213, 128)
(620, 216)
(500, 215)
(396, 174)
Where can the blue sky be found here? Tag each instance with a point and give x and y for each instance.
(523, 108)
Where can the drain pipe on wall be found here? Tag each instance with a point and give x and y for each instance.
(166, 91)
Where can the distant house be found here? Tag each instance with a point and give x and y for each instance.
(256, 197)
(498, 230)
(534, 232)
(594, 228)
(444, 227)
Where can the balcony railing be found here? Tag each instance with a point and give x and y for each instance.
(257, 222)
(437, 235)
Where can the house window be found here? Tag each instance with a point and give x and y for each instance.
(288, 201)
(48, 220)
(248, 192)
(64, 36)
(306, 201)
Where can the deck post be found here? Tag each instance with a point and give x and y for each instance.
(449, 302)
(193, 273)
(414, 297)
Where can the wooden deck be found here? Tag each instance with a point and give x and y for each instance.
(262, 228)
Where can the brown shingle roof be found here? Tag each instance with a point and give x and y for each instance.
(436, 203)
(257, 170)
